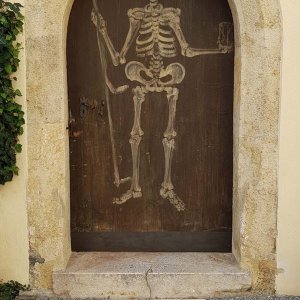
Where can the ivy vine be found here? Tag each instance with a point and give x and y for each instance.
(11, 114)
(10, 290)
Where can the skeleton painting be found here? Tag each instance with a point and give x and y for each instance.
(155, 32)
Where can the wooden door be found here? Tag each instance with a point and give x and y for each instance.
(192, 212)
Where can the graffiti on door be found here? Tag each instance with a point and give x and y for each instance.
(156, 32)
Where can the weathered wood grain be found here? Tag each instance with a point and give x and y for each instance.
(202, 164)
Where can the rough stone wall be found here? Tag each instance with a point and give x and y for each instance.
(258, 32)
(257, 98)
(48, 176)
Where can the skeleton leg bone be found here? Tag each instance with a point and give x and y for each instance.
(135, 190)
(167, 189)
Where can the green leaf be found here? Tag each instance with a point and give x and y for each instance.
(21, 130)
(3, 20)
(18, 148)
(18, 93)
(15, 169)
(8, 68)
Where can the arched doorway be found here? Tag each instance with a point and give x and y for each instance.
(194, 213)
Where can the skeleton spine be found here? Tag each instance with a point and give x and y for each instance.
(156, 64)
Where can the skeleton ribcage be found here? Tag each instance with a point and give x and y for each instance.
(155, 38)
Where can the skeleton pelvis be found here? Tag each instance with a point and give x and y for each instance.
(169, 76)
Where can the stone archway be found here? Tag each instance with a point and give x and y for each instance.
(256, 117)
(256, 129)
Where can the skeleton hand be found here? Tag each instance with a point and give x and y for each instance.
(98, 21)
(225, 48)
(226, 39)
(100, 24)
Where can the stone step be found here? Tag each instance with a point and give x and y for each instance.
(150, 275)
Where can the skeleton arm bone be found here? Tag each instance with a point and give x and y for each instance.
(135, 20)
(191, 52)
(110, 86)
(100, 23)
(186, 50)
(115, 90)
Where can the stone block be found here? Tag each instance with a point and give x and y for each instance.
(150, 275)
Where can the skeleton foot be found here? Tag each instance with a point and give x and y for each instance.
(127, 196)
(173, 198)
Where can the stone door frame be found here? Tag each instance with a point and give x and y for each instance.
(258, 34)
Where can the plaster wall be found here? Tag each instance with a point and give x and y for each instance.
(288, 241)
(14, 262)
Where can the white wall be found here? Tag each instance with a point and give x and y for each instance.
(288, 243)
(14, 259)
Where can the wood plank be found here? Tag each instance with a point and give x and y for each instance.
(203, 158)
(219, 241)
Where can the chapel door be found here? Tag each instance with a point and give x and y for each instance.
(151, 140)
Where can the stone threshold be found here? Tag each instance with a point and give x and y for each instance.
(150, 276)
(48, 295)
